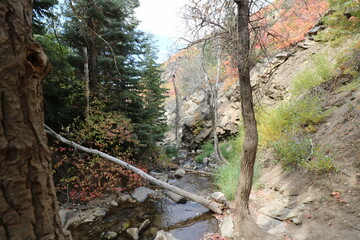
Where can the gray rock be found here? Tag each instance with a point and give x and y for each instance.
(113, 203)
(227, 227)
(205, 161)
(67, 217)
(99, 212)
(133, 232)
(183, 153)
(179, 173)
(161, 235)
(175, 197)
(142, 193)
(144, 226)
(219, 197)
(109, 235)
(124, 197)
(160, 176)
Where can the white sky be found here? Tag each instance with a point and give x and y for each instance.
(163, 19)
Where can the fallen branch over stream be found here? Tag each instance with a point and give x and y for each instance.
(213, 206)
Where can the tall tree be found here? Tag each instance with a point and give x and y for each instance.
(248, 229)
(28, 206)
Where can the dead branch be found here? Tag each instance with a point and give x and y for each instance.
(213, 206)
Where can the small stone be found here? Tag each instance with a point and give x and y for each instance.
(161, 235)
(205, 161)
(227, 227)
(187, 165)
(113, 203)
(144, 226)
(179, 173)
(133, 232)
(142, 193)
(219, 197)
(109, 235)
(296, 221)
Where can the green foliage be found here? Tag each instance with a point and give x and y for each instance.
(290, 119)
(63, 91)
(170, 151)
(293, 152)
(343, 22)
(227, 176)
(320, 71)
(42, 12)
(207, 150)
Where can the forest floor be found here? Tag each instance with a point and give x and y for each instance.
(300, 205)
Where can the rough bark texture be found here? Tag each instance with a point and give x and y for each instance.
(28, 206)
(246, 227)
(215, 207)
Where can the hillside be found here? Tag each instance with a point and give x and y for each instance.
(307, 97)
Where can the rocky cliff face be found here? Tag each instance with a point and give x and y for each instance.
(270, 80)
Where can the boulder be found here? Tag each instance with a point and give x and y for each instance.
(142, 193)
(161, 235)
(179, 173)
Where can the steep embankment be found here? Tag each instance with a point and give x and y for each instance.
(304, 202)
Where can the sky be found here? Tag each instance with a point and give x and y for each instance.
(162, 18)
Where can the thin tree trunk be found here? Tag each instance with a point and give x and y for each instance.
(177, 112)
(86, 82)
(215, 207)
(213, 110)
(28, 205)
(215, 113)
(94, 81)
(246, 227)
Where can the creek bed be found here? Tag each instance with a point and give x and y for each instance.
(187, 221)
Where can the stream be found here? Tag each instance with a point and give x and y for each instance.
(185, 221)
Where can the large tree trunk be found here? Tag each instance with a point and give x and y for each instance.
(246, 227)
(28, 206)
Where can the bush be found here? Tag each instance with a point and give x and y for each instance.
(290, 119)
(320, 71)
(83, 176)
(207, 149)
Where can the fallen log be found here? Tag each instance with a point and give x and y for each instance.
(213, 206)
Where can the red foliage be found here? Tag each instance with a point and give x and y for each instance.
(286, 22)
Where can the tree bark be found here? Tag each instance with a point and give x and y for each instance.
(28, 205)
(94, 81)
(246, 227)
(215, 207)
(86, 82)
(177, 112)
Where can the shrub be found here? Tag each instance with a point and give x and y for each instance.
(83, 176)
(207, 149)
(320, 71)
(290, 119)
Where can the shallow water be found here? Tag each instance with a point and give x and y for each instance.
(188, 221)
